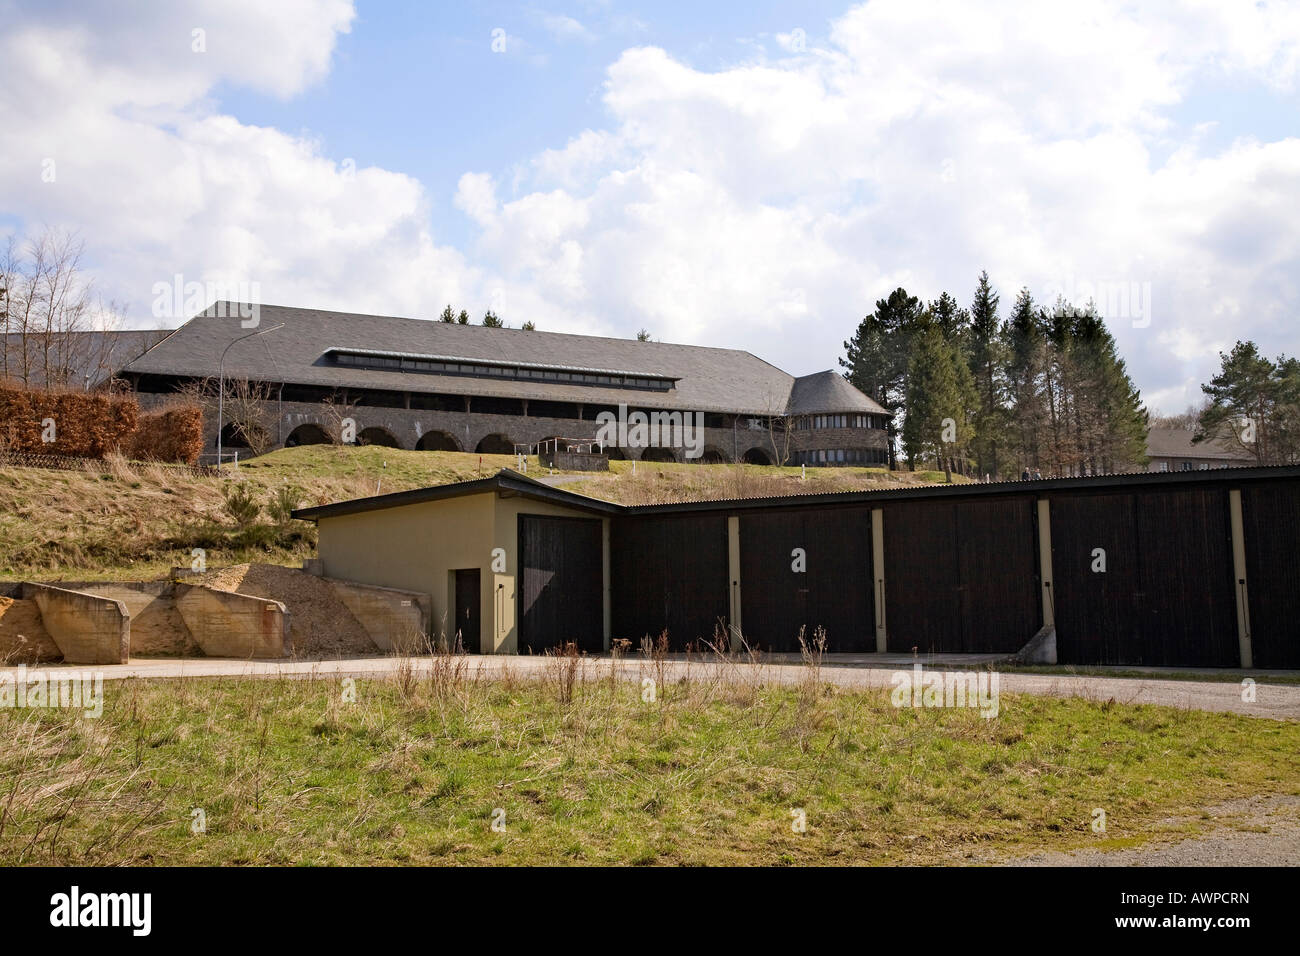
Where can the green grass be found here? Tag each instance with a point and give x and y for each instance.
(287, 772)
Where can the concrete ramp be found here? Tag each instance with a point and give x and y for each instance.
(87, 628)
(229, 624)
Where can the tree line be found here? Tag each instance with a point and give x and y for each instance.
(490, 319)
(1042, 391)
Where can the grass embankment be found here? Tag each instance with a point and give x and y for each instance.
(418, 767)
(118, 520)
(124, 520)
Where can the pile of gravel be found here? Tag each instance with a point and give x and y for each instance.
(320, 625)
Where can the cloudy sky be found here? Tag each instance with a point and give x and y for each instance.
(746, 174)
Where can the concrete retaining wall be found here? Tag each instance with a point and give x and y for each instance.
(395, 620)
(88, 628)
(156, 626)
(228, 624)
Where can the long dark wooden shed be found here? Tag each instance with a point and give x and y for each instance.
(1177, 569)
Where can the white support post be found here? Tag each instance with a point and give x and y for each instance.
(878, 576)
(733, 575)
(1245, 650)
(1045, 562)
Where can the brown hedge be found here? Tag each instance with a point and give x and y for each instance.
(95, 424)
(169, 434)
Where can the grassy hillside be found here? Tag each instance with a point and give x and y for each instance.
(118, 520)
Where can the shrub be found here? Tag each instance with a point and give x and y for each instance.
(241, 506)
(285, 500)
(174, 433)
(96, 425)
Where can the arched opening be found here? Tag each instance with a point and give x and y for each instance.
(658, 454)
(308, 434)
(614, 453)
(495, 444)
(711, 456)
(242, 435)
(375, 435)
(756, 456)
(437, 441)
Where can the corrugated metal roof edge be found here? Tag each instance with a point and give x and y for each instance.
(509, 481)
(979, 489)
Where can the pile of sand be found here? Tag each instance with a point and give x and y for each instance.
(23, 638)
(320, 625)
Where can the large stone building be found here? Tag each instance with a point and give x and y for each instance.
(418, 384)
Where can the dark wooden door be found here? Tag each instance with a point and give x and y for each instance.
(1271, 520)
(922, 578)
(1166, 595)
(468, 604)
(561, 598)
(997, 555)
(669, 574)
(961, 577)
(833, 591)
(1096, 611)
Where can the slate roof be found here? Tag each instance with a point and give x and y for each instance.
(1177, 443)
(829, 392)
(709, 379)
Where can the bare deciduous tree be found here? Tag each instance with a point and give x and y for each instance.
(47, 307)
(247, 410)
(337, 410)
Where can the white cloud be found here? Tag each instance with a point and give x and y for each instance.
(566, 28)
(769, 204)
(158, 183)
(765, 205)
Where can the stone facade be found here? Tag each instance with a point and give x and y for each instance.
(290, 423)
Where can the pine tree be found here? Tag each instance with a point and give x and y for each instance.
(1244, 400)
(953, 321)
(463, 318)
(447, 315)
(1286, 433)
(986, 365)
(492, 321)
(940, 396)
(876, 359)
(1103, 424)
(1026, 353)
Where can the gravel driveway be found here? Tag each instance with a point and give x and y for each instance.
(1277, 701)
(1254, 831)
